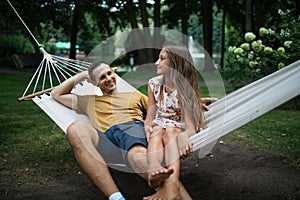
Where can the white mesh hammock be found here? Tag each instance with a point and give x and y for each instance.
(227, 114)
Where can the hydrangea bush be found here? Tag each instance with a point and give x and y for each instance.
(263, 53)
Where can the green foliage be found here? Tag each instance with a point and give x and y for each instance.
(51, 48)
(11, 44)
(264, 53)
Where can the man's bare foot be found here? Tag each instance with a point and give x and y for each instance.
(157, 178)
(168, 191)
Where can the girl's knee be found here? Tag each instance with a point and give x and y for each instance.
(157, 132)
(171, 134)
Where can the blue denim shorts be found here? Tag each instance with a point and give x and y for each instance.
(114, 144)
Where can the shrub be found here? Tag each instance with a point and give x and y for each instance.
(264, 53)
(11, 44)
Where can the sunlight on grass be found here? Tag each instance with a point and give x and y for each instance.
(276, 132)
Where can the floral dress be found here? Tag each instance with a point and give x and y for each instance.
(168, 112)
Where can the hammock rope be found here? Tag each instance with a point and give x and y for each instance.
(24, 24)
(60, 67)
(52, 68)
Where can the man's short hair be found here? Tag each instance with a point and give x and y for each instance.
(93, 66)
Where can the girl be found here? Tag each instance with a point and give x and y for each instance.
(174, 114)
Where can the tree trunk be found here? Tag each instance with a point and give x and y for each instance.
(157, 42)
(223, 38)
(130, 13)
(184, 22)
(146, 33)
(207, 33)
(259, 17)
(297, 9)
(138, 40)
(74, 30)
(248, 16)
(157, 13)
(144, 13)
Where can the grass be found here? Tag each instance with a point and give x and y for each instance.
(29, 140)
(32, 147)
(276, 132)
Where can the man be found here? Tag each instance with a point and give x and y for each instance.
(116, 132)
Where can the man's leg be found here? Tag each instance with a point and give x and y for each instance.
(137, 158)
(83, 138)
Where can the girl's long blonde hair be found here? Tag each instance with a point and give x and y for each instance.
(184, 78)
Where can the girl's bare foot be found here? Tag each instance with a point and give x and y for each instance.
(157, 178)
(168, 191)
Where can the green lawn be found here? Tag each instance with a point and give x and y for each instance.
(31, 144)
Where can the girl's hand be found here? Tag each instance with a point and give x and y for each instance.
(185, 147)
(148, 130)
(206, 101)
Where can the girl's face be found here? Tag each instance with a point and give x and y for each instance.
(163, 63)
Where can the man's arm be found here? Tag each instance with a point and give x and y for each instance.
(62, 93)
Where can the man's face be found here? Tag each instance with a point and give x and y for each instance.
(105, 78)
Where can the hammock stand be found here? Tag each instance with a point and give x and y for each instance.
(225, 115)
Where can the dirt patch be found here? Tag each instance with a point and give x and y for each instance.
(229, 172)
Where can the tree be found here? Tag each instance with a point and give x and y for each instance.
(184, 29)
(74, 29)
(207, 33)
(248, 15)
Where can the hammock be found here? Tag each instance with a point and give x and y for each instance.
(224, 116)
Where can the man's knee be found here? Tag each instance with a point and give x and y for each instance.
(72, 129)
(137, 156)
(77, 131)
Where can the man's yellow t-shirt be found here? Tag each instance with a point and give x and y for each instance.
(108, 110)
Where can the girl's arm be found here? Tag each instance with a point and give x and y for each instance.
(151, 110)
(185, 146)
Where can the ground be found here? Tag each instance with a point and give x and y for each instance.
(229, 172)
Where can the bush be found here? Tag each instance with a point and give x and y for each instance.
(11, 44)
(264, 53)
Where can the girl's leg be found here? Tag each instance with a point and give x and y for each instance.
(171, 150)
(171, 187)
(157, 173)
(155, 149)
